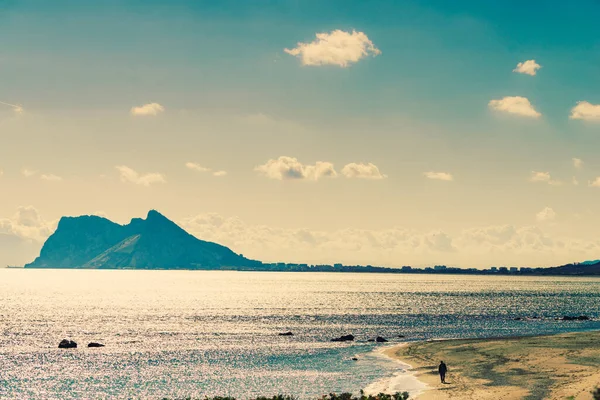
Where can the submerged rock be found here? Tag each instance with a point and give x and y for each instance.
(354, 359)
(286, 334)
(94, 344)
(344, 338)
(380, 339)
(67, 344)
(579, 318)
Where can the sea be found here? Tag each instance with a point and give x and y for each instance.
(179, 334)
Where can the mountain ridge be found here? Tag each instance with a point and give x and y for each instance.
(92, 242)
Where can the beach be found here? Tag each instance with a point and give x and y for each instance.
(563, 366)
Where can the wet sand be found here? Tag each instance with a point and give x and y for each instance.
(565, 366)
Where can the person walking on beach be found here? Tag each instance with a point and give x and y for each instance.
(442, 369)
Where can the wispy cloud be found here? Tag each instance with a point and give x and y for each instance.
(577, 163)
(529, 67)
(150, 109)
(17, 108)
(537, 176)
(586, 111)
(196, 167)
(289, 168)
(28, 173)
(129, 175)
(547, 214)
(51, 177)
(362, 171)
(335, 48)
(515, 105)
(199, 168)
(440, 176)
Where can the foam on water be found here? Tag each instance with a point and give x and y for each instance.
(399, 379)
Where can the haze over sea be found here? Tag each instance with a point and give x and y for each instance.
(190, 333)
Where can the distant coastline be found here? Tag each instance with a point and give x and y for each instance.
(157, 243)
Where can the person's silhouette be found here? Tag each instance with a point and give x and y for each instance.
(442, 369)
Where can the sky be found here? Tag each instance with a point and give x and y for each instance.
(383, 132)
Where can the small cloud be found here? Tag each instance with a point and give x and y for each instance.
(529, 67)
(17, 108)
(336, 48)
(575, 181)
(515, 105)
(363, 171)
(578, 163)
(547, 214)
(440, 176)
(595, 182)
(289, 168)
(220, 173)
(150, 109)
(586, 111)
(196, 167)
(51, 177)
(537, 176)
(28, 173)
(129, 175)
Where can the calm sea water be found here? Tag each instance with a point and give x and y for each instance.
(184, 333)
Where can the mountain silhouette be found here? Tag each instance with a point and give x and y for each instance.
(153, 243)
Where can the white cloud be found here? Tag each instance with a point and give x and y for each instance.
(150, 109)
(577, 163)
(336, 48)
(547, 214)
(51, 177)
(575, 181)
(595, 182)
(285, 168)
(131, 176)
(17, 108)
(395, 246)
(22, 235)
(586, 111)
(440, 176)
(537, 176)
(529, 67)
(514, 105)
(199, 168)
(361, 170)
(196, 167)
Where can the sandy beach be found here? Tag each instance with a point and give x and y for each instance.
(565, 366)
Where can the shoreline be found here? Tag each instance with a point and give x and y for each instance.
(561, 366)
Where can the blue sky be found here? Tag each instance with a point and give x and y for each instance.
(232, 99)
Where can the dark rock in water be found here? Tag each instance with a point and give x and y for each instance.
(93, 344)
(67, 344)
(401, 336)
(579, 318)
(370, 340)
(354, 359)
(518, 319)
(344, 338)
(379, 339)
(286, 334)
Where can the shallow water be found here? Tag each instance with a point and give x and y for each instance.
(189, 333)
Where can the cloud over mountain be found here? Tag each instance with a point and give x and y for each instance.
(130, 175)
